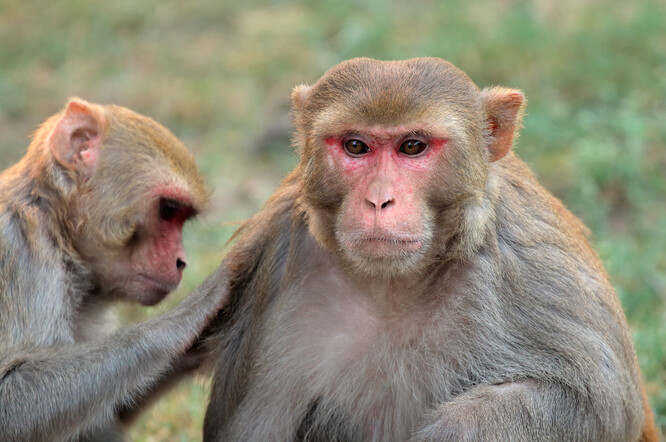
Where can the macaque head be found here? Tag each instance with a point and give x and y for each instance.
(395, 158)
(134, 185)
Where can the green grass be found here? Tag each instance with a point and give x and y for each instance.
(219, 75)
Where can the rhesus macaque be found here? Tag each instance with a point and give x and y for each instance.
(411, 280)
(91, 215)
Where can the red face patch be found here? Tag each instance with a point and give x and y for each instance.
(386, 170)
(411, 149)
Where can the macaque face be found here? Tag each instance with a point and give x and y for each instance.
(386, 149)
(157, 258)
(384, 224)
(147, 259)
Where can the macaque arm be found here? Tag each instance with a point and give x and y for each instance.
(519, 411)
(186, 365)
(83, 383)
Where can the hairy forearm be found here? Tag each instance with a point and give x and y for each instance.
(526, 411)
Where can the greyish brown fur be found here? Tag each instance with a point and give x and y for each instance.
(62, 376)
(505, 328)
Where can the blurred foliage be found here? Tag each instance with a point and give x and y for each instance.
(219, 75)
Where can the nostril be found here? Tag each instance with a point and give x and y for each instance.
(386, 203)
(180, 264)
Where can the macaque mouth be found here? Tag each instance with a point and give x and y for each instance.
(386, 246)
(389, 240)
(158, 284)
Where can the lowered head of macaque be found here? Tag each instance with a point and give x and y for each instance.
(125, 188)
(92, 214)
(393, 160)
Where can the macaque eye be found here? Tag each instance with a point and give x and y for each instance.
(412, 147)
(169, 208)
(356, 147)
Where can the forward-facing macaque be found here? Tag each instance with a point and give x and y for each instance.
(411, 280)
(94, 214)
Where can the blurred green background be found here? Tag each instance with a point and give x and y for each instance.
(219, 75)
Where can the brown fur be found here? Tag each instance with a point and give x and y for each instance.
(80, 215)
(502, 326)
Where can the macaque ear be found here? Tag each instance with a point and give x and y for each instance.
(504, 113)
(299, 96)
(76, 139)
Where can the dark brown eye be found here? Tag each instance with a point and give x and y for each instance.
(169, 208)
(356, 147)
(413, 147)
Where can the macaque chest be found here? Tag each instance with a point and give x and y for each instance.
(359, 361)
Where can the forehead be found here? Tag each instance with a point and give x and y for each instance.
(139, 144)
(390, 92)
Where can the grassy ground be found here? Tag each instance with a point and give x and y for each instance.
(219, 75)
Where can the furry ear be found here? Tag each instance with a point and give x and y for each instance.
(504, 113)
(76, 138)
(299, 96)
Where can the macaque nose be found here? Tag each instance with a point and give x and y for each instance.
(380, 194)
(378, 203)
(180, 264)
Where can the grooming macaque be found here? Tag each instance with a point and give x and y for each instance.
(411, 280)
(91, 215)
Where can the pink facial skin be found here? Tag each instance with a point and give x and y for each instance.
(387, 142)
(383, 211)
(162, 259)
